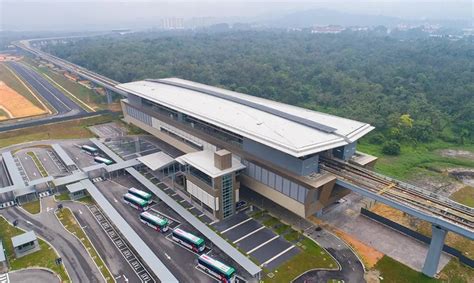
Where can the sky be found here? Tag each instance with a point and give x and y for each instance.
(89, 15)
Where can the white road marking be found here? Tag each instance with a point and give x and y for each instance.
(236, 225)
(262, 244)
(278, 255)
(181, 201)
(28, 222)
(125, 278)
(249, 234)
(167, 256)
(115, 200)
(80, 212)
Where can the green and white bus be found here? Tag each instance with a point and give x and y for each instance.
(135, 202)
(154, 221)
(188, 240)
(217, 269)
(141, 194)
(90, 150)
(99, 159)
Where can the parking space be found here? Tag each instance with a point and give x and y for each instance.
(268, 248)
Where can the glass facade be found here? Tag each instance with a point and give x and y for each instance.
(200, 175)
(139, 115)
(227, 196)
(276, 182)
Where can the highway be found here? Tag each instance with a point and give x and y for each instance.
(43, 87)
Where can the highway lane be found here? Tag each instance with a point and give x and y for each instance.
(54, 96)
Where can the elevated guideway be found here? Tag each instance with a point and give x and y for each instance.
(443, 213)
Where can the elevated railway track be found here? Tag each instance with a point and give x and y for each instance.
(422, 200)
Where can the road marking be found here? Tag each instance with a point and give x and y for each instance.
(278, 255)
(115, 200)
(125, 278)
(249, 234)
(181, 201)
(236, 225)
(28, 222)
(201, 214)
(75, 97)
(262, 244)
(213, 222)
(80, 212)
(167, 256)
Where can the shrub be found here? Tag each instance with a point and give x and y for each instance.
(391, 148)
(377, 139)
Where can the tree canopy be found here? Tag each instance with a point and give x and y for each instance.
(409, 89)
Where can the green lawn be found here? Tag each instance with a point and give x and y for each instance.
(271, 221)
(75, 129)
(87, 200)
(311, 256)
(464, 196)
(423, 156)
(42, 258)
(62, 197)
(395, 272)
(69, 222)
(32, 207)
(457, 272)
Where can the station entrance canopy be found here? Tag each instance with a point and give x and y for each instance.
(156, 160)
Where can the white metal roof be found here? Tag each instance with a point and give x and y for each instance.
(204, 161)
(156, 160)
(75, 187)
(2, 252)
(271, 129)
(24, 238)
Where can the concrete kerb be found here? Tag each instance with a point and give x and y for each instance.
(49, 244)
(27, 212)
(39, 268)
(90, 255)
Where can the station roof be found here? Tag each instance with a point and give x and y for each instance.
(24, 238)
(156, 160)
(40, 180)
(10, 164)
(204, 161)
(2, 253)
(75, 187)
(94, 167)
(122, 165)
(70, 179)
(290, 129)
(63, 155)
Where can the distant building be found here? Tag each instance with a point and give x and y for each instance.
(25, 244)
(327, 29)
(172, 23)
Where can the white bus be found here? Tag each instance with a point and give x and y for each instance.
(188, 240)
(217, 269)
(141, 194)
(90, 150)
(154, 221)
(135, 202)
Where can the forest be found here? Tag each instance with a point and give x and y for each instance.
(412, 91)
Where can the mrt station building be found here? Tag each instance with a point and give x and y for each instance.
(230, 139)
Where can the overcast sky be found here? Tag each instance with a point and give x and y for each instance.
(67, 14)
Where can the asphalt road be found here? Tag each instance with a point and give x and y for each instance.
(78, 263)
(180, 261)
(33, 276)
(104, 246)
(56, 98)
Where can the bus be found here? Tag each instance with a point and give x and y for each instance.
(99, 159)
(188, 240)
(141, 194)
(90, 150)
(216, 268)
(135, 202)
(154, 221)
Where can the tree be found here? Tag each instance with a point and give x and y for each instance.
(391, 148)
(422, 131)
(377, 138)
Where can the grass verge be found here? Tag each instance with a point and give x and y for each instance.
(464, 196)
(396, 272)
(62, 197)
(69, 222)
(32, 207)
(43, 258)
(38, 164)
(311, 256)
(86, 200)
(66, 130)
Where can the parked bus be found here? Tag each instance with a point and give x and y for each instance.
(216, 268)
(89, 149)
(154, 221)
(141, 194)
(99, 159)
(188, 240)
(135, 202)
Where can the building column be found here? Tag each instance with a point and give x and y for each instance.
(436, 247)
(108, 94)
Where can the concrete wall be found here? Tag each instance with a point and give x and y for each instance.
(345, 152)
(286, 161)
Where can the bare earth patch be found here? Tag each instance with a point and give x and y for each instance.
(15, 104)
(457, 153)
(369, 255)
